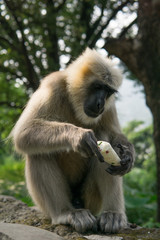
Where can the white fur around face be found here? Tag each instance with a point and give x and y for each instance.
(101, 67)
(90, 66)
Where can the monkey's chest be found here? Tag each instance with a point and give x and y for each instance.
(73, 166)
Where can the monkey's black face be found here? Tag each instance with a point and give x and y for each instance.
(97, 94)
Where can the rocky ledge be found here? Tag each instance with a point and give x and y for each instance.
(20, 222)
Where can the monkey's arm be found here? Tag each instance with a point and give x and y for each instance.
(33, 134)
(122, 146)
(42, 136)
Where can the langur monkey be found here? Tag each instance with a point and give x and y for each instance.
(58, 131)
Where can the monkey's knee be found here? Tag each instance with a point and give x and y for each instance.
(112, 222)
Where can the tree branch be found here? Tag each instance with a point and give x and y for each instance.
(32, 76)
(86, 10)
(126, 50)
(8, 43)
(98, 35)
(96, 24)
(125, 30)
(60, 6)
(11, 33)
(53, 51)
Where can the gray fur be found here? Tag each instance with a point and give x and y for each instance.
(52, 133)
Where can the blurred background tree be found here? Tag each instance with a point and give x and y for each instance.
(38, 37)
(139, 184)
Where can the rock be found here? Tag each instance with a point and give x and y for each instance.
(17, 212)
(98, 237)
(5, 237)
(23, 232)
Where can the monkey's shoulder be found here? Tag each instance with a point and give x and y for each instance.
(51, 97)
(54, 83)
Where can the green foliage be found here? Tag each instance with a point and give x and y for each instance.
(36, 35)
(12, 100)
(12, 180)
(14, 169)
(142, 139)
(140, 183)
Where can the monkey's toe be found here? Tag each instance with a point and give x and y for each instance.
(82, 220)
(112, 222)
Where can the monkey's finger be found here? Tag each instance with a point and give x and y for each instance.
(117, 170)
(121, 148)
(89, 150)
(114, 171)
(96, 151)
(110, 170)
(84, 149)
(125, 160)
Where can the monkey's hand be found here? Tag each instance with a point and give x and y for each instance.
(127, 159)
(85, 143)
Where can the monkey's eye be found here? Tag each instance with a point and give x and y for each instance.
(109, 91)
(97, 86)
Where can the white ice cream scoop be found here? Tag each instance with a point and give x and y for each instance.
(110, 156)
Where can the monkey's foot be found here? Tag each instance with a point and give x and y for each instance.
(82, 220)
(112, 222)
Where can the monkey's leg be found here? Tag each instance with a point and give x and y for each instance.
(113, 217)
(47, 185)
(104, 197)
(50, 191)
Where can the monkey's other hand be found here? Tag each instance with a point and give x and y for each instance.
(112, 222)
(126, 162)
(86, 145)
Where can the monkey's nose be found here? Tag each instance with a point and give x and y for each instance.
(100, 105)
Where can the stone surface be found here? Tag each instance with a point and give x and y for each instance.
(15, 211)
(98, 237)
(24, 232)
(5, 237)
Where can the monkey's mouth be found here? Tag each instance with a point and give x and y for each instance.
(93, 114)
